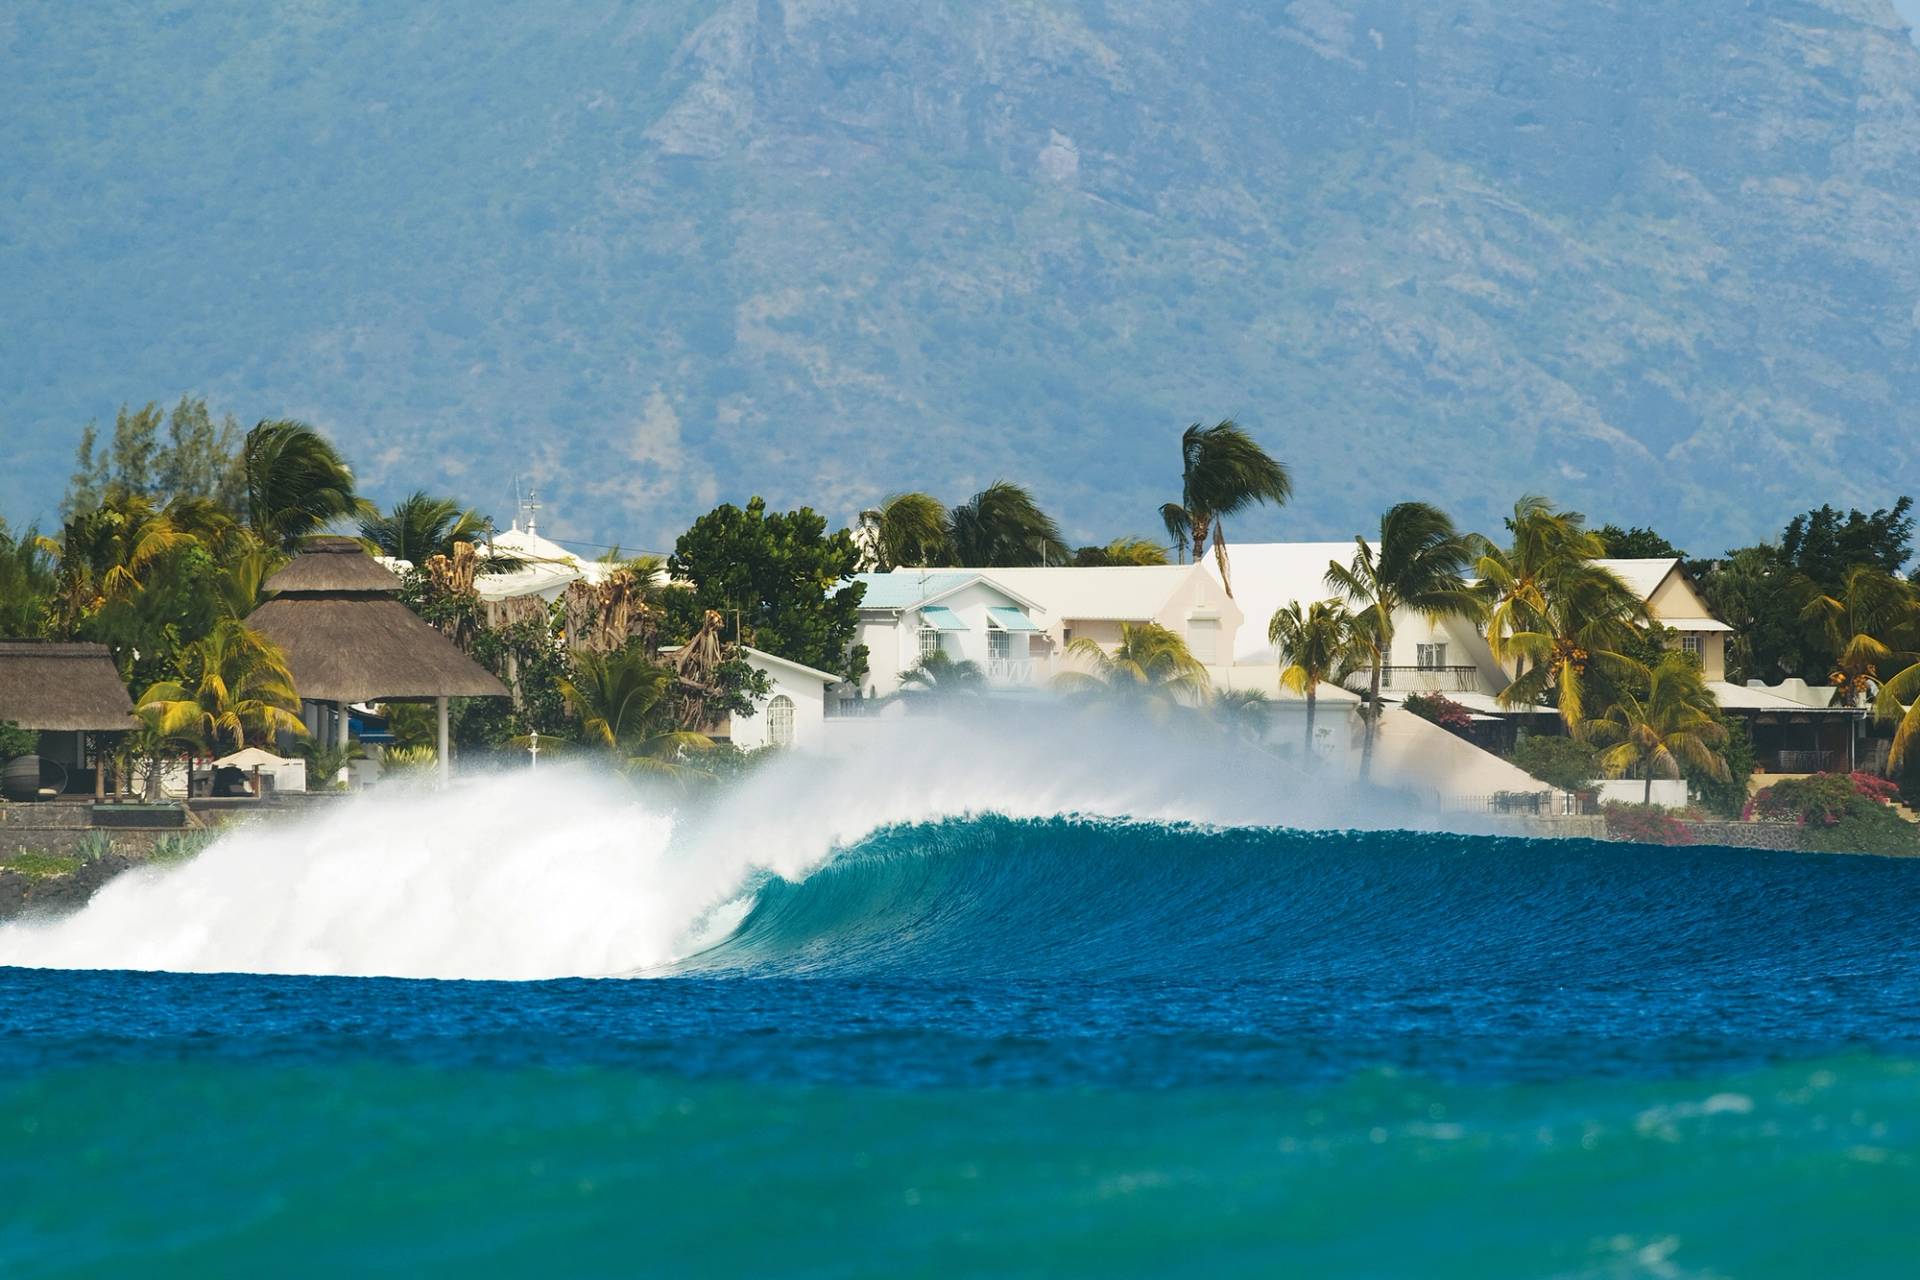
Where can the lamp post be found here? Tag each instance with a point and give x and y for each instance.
(533, 750)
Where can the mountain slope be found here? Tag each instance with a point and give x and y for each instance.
(1659, 262)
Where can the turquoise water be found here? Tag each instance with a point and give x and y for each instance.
(1047, 1048)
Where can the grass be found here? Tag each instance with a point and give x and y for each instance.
(41, 866)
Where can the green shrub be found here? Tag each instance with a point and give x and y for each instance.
(1839, 814)
(15, 741)
(180, 846)
(93, 846)
(1726, 798)
(1566, 763)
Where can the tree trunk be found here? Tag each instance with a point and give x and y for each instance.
(1202, 526)
(1373, 720)
(1307, 761)
(1646, 796)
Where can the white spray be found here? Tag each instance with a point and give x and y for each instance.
(568, 872)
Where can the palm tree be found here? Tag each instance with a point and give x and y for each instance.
(1314, 645)
(29, 581)
(1586, 620)
(1672, 724)
(1418, 565)
(1121, 552)
(297, 483)
(1222, 471)
(939, 676)
(1002, 527)
(621, 701)
(1242, 713)
(1150, 664)
(1514, 582)
(908, 529)
(1873, 625)
(234, 688)
(105, 554)
(418, 527)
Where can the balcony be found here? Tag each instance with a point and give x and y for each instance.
(1422, 679)
(1018, 671)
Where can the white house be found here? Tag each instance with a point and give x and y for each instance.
(1015, 624)
(794, 709)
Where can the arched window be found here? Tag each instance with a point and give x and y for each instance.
(780, 721)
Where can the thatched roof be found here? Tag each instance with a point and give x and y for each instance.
(332, 565)
(360, 648)
(62, 687)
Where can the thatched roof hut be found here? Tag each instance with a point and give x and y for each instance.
(347, 639)
(62, 688)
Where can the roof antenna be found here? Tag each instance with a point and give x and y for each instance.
(533, 511)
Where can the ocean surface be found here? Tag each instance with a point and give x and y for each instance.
(992, 1045)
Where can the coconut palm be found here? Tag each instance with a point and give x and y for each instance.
(908, 529)
(1418, 565)
(1222, 471)
(1121, 552)
(297, 483)
(1873, 625)
(233, 689)
(1242, 713)
(1149, 664)
(1314, 646)
(1671, 725)
(418, 527)
(29, 581)
(621, 701)
(939, 676)
(105, 555)
(1581, 629)
(1002, 527)
(1514, 582)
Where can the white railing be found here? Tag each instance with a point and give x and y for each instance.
(1015, 670)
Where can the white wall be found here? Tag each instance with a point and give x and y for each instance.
(750, 733)
(893, 639)
(1668, 793)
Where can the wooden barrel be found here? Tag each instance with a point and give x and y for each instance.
(20, 780)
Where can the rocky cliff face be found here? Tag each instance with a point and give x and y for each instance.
(1660, 261)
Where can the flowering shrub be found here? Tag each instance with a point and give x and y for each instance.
(1440, 709)
(1839, 813)
(1641, 824)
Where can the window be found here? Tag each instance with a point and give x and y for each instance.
(780, 721)
(999, 646)
(929, 642)
(1690, 645)
(1430, 657)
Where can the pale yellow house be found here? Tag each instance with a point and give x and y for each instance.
(1675, 603)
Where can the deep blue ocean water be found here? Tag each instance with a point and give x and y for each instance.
(989, 1046)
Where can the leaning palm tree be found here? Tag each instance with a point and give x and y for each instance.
(418, 527)
(297, 483)
(1222, 471)
(1670, 725)
(1150, 664)
(1417, 565)
(1002, 527)
(908, 529)
(233, 689)
(1314, 645)
(622, 704)
(1873, 625)
(105, 556)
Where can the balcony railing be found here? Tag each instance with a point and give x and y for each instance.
(1804, 761)
(1016, 670)
(1422, 679)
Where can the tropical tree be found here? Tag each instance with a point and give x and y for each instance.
(29, 580)
(1514, 582)
(940, 676)
(1873, 625)
(1223, 471)
(234, 688)
(297, 483)
(1672, 724)
(908, 529)
(1242, 712)
(622, 704)
(1314, 646)
(1150, 664)
(1416, 565)
(1582, 630)
(419, 527)
(1122, 552)
(1002, 527)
